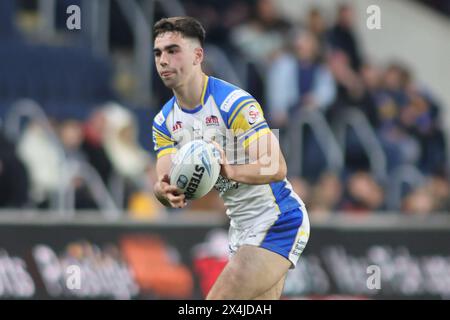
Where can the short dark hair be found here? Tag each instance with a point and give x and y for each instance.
(186, 26)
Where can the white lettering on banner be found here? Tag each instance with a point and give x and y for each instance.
(308, 276)
(394, 271)
(110, 278)
(15, 281)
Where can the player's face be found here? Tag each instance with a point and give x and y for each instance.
(175, 57)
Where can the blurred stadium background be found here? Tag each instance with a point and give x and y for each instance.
(364, 123)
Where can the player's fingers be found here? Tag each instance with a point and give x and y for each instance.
(175, 198)
(179, 204)
(177, 201)
(171, 189)
(166, 179)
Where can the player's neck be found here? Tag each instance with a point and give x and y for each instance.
(189, 95)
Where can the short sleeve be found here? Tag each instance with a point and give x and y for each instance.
(162, 139)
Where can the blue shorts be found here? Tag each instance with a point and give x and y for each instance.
(286, 235)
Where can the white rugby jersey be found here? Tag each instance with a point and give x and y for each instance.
(227, 113)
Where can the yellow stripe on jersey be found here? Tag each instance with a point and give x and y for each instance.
(240, 123)
(162, 141)
(161, 133)
(205, 85)
(166, 151)
(255, 136)
(238, 108)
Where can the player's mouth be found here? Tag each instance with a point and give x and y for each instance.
(166, 74)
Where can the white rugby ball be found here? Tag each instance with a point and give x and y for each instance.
(195, 169)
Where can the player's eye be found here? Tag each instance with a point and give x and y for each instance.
(157, 54)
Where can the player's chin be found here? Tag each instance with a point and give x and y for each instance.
(170, 81)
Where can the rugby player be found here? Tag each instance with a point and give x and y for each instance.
(269, 225)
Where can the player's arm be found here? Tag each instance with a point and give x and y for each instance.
(167, 194)
(266, 161)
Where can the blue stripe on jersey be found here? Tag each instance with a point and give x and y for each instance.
(260, 125)
(281, 235)
(254, 129)
(165, 111)
(251, 132)
(221, 91)
(163, 148)
(283, 197)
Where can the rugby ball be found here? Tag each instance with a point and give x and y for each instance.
(195, 169)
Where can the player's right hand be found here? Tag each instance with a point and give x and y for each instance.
(169, 195)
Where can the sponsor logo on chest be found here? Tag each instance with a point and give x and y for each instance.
(212, 121)
(178, 125)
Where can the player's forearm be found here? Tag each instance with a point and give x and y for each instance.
(256, 173)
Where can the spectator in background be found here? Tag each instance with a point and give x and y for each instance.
(350, 88)
(400, 147)
(121, 144)
(70, 133)
(419, 117)
(43, 157)
(344, 60)
(92, 145)
(258, 42)
(37, 149)
(327, 195)
(298, 80)
(371, 78)
(439, 187)
(261, 39)
(362, 194)
(219, 17)
(418, 202)
(315, 23)
(130, 160)
(302, 188)
(342, 36)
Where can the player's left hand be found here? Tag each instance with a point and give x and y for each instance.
(226, 169)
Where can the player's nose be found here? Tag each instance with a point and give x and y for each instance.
(163, 60)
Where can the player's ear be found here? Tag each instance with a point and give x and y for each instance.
(198, 55)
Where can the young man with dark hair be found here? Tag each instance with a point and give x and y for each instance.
(269, 225)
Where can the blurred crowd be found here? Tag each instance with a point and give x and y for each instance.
(318, 64)
(102, 151)
(314, 65)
